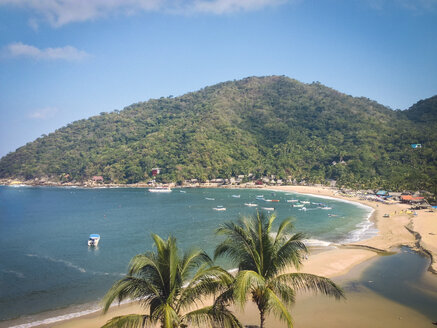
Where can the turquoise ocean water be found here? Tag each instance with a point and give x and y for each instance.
(47, 270)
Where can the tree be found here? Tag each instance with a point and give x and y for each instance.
(157, 279)
(262, 259)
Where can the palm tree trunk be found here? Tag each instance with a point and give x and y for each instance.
(262, 318)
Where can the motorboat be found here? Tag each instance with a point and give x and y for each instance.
(268, 208)
(298, 205)
(250, 204)
(93, 239)
(218, 208)
(236, 196)
(160, 189)
(292, 200)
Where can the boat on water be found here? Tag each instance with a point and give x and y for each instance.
(236, 196)
(208, 198)
(268, 208)
(260, 196)
(326, 208)
(250, 204)
(298, 205)
(303, 209)
(160, 189)
(305, 202)
(93, 239)
(275, 200)
(219, 208)
(292, 200)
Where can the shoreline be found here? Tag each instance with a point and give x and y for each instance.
(334, 261)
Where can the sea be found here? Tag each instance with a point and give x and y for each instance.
(48, 273)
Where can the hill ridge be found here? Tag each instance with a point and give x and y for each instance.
(270, 125)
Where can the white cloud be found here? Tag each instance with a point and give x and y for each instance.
(43, 114)
(229, 6)
(64, 53)
(61, 12)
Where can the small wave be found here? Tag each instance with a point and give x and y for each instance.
(364, 230)
(316, 242)
(57, 319)
(15, 273)
(84, 309)
(18, 186)
(66, 263)
(115, 274)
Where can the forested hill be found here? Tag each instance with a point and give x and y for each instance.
(260, 125)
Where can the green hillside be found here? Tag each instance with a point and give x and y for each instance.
(260, 125)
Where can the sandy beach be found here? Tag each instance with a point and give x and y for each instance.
(364, 310)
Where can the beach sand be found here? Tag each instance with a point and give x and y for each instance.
(363, 308)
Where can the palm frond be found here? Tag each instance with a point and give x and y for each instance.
(207, 281)
(142, 261)
(291, 252)
(302, 282)
(129, 287)
(285, 292)
(286, 226)
(270, 223)
(127, 321)
(209, 315)
(239, 245)
(278, 307)
(193, 259)
(246, 281)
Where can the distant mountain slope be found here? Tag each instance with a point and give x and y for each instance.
(424, 111)
(261, 125)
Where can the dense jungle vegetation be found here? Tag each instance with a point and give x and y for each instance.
(260, 125)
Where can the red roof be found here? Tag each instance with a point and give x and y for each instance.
(409, 197)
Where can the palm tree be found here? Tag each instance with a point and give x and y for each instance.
(159, 281)
(262, 258)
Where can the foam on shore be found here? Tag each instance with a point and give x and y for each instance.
(364, 230)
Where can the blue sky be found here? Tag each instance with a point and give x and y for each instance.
(64, 60)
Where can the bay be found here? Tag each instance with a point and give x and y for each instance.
(45, 263)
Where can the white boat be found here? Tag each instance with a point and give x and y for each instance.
(160, 189)
(93, 239)
(219, 208)
(260, 196)
(326, 208)
(207, 198)
(298, 205)
(268, 208)
(292, 200)
(236, 196)
(250, 204)
(303, 209)
(305, 202)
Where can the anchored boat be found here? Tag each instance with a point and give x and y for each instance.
(93, 239)
(160, 189)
